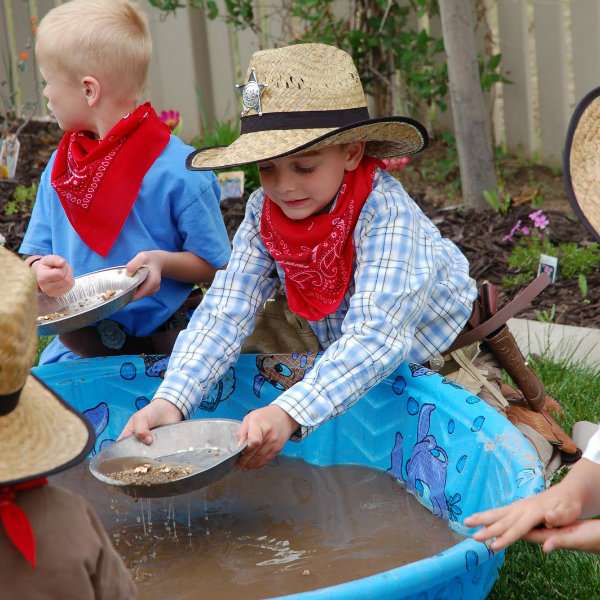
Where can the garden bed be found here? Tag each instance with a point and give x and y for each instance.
(432, 180)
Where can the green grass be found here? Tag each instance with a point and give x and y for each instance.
(42, 343)
(527, 572)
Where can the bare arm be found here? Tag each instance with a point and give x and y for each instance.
(181, 266)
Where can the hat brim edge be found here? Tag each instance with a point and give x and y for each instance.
(414, 123)
(74, 461)
(567, 180)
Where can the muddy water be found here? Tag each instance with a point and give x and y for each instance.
(286, 528)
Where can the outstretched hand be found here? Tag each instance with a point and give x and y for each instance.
(556, 507)
(158, 412)
(265, 431)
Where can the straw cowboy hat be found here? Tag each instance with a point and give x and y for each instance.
(39, 434)
(307, 96)
(581, 162)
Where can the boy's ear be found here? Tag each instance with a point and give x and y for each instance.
(91, 90)
(353, 151)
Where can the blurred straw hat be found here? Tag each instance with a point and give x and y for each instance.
(307, 96)
(39, 434)
(581, 162)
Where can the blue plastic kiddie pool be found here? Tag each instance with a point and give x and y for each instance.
(457, 455)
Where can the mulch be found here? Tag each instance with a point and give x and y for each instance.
(478, 234)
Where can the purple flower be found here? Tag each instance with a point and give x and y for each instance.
(515, 229)
(540, 220)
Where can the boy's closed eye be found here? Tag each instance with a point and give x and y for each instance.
(299, 168)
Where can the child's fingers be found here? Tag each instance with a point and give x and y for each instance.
(243, 432)
(507, 530)
(150, 286)
(138, 425)
(583, 535)
(254, 440)
(53, 260)
(486, 518)
(135, 263)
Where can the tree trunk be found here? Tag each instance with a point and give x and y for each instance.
(471, 120)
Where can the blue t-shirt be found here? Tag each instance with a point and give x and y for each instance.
(176, 210)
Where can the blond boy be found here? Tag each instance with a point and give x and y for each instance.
(116, 191)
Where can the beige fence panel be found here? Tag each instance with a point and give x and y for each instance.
(519, 96)
(550, 51)
(552, 40)
(179, 72)
(585, 27)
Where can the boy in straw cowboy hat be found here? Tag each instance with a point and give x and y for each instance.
(52, 544)
(562, 507)
(358, 259)
(116, 191)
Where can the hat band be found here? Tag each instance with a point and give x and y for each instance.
(8, 402)
(304, 119)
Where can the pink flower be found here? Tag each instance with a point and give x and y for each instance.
(170, 118)
(540, 220)
(396, 164)
(515, 229)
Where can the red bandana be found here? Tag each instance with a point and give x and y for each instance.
(98, 181)
(316, 253)
(15, 521)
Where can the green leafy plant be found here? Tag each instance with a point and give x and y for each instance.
(401, 62)
(545, 315)
(223, 133)
(498, 200)
(574, 261)
(583, 285)
(22, 200)
(489, 72)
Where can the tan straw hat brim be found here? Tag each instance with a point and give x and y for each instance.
(385, 138)
(581, 162)
(42, 435)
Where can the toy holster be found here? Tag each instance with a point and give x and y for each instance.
(502, 344)
(488, 325)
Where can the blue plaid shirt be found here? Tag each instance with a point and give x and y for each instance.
(410, 297)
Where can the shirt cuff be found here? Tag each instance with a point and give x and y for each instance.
(183, 394)
(307, 405)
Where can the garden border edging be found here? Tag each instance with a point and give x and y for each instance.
(577, 345)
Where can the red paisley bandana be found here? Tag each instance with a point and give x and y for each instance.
(98, 181)
(316, 253)
(15, 521)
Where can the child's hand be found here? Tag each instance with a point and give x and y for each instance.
(266, 430)
(158, 412)
(54, 275)
(558, 506)
(153, 260)
(582, 535)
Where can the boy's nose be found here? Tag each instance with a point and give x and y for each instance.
(285, 185)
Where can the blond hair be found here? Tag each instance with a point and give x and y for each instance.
(107, 39)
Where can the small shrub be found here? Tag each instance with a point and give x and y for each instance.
(574, 261)
(22, 200)
(224, 133)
